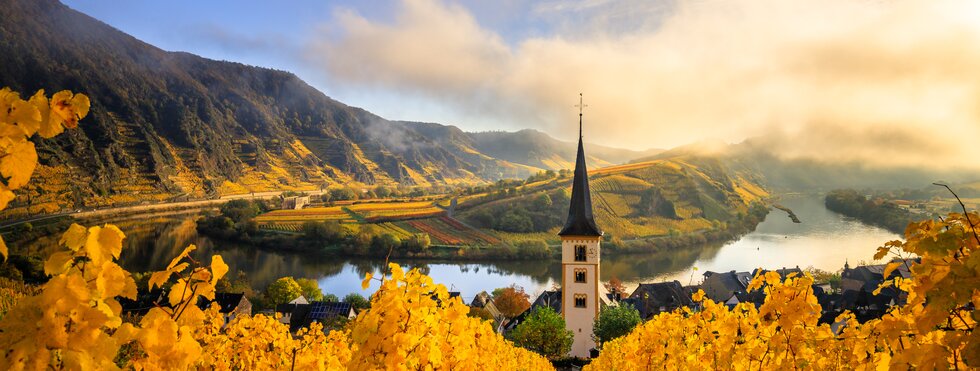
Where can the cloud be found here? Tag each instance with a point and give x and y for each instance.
(883, 82)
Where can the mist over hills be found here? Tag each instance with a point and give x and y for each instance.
(172, 123)
(782, 173)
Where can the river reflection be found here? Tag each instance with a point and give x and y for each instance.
(824, 240)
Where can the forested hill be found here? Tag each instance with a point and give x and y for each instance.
(171, 124)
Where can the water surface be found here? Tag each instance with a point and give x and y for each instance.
(823, 240)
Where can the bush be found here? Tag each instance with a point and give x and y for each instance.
(544, 333)
(614, 322)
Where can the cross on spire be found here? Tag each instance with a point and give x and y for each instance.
(581, 106)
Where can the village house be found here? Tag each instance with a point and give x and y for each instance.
(551, 298)
(720, 286)
(295, 202)
(732, 287)
(858, 286)
(301, 315)
(231, 305)
(651, 299)
(484, 301)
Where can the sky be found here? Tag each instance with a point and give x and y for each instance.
(880, 82)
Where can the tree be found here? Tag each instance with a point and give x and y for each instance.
(542, 202)
(324, 231)
(418, 242)
(357, 301)
(544, 333)
(283, 291)
(516, 221)
(240, 210)
(310, 289)
(343, 194)
(384, 243)
(511, 300)
(614, 322)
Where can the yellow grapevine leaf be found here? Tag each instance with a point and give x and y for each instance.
(181, 256)
(3, 248)
(5, 196)
(367, 281)
(218, 268)
(25, 116)
(58, 263)
(75, 237)
(67, 108)
(890, 267)
(110, 240)
(18, 162)
(178, 292)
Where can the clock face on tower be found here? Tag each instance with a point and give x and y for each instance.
(592, 252)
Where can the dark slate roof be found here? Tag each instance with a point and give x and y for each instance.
(301, 315)
(548, 298)
(733, 281)
(227, 301)
(782, 272)
(580, 221)
(144, 302)
(872, 275)
(480, 300)
(649, 297)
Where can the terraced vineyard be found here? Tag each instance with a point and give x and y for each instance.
(649, 199)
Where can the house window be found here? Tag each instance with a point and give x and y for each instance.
(580, 275)
(580, 253)
(580, 300)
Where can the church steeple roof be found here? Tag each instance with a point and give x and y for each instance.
(580, 221)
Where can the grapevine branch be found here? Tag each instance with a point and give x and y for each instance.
(973, 227)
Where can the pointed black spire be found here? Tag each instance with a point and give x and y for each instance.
(580, 221)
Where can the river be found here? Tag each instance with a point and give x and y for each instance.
(823, 240)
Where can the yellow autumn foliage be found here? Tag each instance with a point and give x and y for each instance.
(934, 330)
(19, 121)
(75, 321)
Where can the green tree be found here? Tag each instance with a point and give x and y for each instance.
(310, 289)
(384, 243)
(357, 301)
(240, 210)
(541, 202)
(516, 221)
(533, 249)
(343, 194)
(326, 231)
(418, 242)
(614, 322)
(283, 291)
(543, 332)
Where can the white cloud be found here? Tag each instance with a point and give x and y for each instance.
(886, 82)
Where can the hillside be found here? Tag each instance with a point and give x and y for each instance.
(534, 148)
(668, 197)
(166, 125)
(809, 174)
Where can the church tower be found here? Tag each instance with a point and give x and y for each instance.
(581, 295)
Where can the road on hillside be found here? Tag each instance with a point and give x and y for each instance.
(152, 207)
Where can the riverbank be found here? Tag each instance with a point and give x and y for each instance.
(334, 240)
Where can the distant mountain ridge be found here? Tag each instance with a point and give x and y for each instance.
(534, 148)
(753, 156)
(172, 123)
